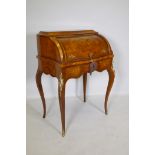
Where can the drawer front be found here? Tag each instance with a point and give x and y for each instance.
(77, 71)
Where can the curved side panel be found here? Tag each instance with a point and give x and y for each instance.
(59, 48)
(49, 48)
(109, 47)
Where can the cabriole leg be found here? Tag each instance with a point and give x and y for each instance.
(84, 85)
(39, 85)
(61, 92)
(111, 74)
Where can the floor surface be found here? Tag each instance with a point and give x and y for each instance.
(88, 130)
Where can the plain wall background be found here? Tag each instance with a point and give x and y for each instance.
(108, 17)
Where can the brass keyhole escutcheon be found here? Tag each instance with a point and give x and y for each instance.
(92, 65)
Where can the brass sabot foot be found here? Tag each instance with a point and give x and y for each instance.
(63, 133)
(106, 112)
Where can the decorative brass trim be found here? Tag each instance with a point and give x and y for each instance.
(61, 82)
(71, 56)
(112, 67)
(64, 51)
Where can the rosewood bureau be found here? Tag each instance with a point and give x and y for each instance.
(70, 54)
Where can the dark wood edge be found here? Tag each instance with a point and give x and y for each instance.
(66, 33)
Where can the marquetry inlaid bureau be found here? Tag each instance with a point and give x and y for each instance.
(70, 54)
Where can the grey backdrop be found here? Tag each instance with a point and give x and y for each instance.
(108, 17)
